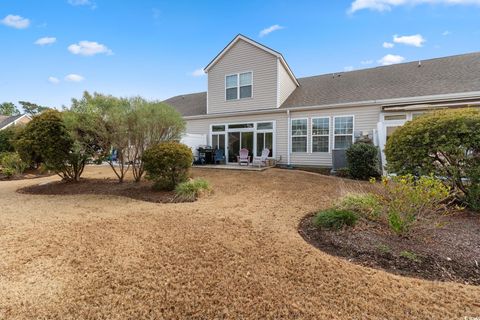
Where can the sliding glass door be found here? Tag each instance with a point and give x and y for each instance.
(237, 141)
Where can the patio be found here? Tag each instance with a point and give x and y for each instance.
(233, 166)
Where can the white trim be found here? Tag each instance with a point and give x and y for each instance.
(353, 128)
(207, 90)
(321, 135)
(278, 83)
(256, 44)
(301, 136)
(369, 103)
(238, 85)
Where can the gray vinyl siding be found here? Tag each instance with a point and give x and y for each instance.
(365, 119)
(202, 126)
(244, 57)
(285, 84)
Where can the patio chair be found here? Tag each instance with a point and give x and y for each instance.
(219, 156)
(262, 160)
(243, 157)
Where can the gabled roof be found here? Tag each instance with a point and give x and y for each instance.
(240, 37)
(458, 74)
(5, 121)
(454, 74)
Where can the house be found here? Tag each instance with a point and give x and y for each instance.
(7, 121)
(254, 101)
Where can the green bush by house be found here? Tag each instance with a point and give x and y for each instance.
(335, 219)
(167, 164)
(362, 161)
(444, 143)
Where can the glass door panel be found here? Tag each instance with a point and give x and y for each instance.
(247, 142)
(233, 146)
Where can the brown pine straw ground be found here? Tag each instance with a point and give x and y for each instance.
(235, 254)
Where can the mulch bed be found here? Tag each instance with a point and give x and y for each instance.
(139, 191)
(445, 250)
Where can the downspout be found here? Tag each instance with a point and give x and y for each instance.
(289, 147)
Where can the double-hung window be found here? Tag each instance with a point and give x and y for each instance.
(238, 86)
(320, 134)
(343, 132)
(299, 135)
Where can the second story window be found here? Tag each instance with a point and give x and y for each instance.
(238, 86)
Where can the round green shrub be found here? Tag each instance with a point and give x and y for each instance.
(362, 161)
(334, 219)
(443, 143)
(167, 164)
(11, 164)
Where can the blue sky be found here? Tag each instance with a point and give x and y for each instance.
(153, 48)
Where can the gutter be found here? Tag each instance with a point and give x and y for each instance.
(382, 102)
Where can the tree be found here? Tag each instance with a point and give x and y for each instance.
(150, 123)
(7, 137)
(444, 143)
(8, 109)
(112, 128)
(32, 108)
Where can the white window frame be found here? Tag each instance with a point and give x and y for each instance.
(292, 136)
(254, 130)
(341, 135)
(321, 135)
(238, 86)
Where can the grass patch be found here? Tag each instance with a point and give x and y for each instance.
(335, 219)
(410, 256)
(366, 205)
(189, 191)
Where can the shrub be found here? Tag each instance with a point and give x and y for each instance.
(334, 219)
(167, 164)
(12, 164)
(362, 161)
(444, 143)
(407, 199)
(7, 136)
(365, 205)
(190, 190)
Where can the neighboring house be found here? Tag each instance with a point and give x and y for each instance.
(6, 121)
(255, 101)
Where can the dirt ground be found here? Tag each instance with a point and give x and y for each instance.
(234, 254)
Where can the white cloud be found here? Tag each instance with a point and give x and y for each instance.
(45, 40)
(366, 62)
(388, 45)
(198, 72)
(89, 48)
(446, 33)
(387, 5)
(267, 31)
(348, 68)
(74, 77)
(89, 3)
(390, 59)
(53, 80)
(15, 21)
(415, 40)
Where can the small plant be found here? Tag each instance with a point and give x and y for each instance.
(362, 161)
(167, 164)
(335, 219)
(189, 191)
(12, 164)
(410, 256)
(365, 205)
(406, 200)
(383, 248)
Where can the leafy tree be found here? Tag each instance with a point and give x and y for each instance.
(444, 143)
(112, 121)
(149, 124)
(32, 108)
(8, 109)
(7, 138)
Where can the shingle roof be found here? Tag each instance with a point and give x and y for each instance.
(192, 104)
(454, 74)
(6, 120)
